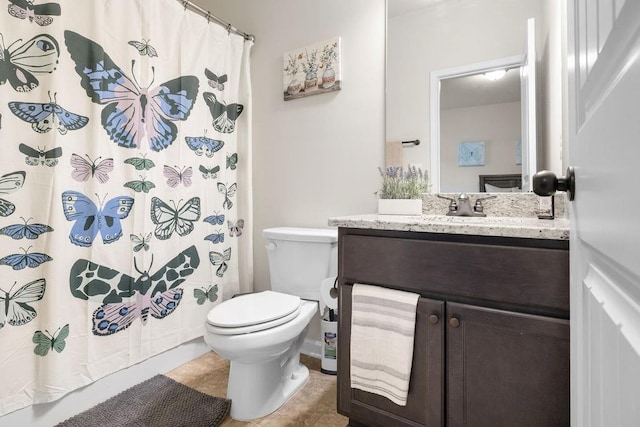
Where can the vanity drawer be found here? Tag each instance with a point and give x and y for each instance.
(528, 276)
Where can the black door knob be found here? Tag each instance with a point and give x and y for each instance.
(545, 183)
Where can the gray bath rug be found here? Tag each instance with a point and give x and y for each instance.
(157, 402)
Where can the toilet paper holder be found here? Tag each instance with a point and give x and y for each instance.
(333, 292)
(329, 299)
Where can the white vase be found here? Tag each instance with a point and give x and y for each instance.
(400, 206)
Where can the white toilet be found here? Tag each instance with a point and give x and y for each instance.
(261, 333)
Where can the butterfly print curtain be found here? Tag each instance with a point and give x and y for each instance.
(124, 186)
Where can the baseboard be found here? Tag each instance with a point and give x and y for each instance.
(311, 348)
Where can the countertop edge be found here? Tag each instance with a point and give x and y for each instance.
(533, 228)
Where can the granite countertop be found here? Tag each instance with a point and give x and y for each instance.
(524, 227)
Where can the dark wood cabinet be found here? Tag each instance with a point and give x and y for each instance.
(506, 368)
(491, 341)
(427, 376)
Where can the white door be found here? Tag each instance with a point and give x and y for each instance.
(528, 107)
(604, 131)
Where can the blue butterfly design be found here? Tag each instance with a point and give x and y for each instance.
(43, 116)
(89, 219)
(20, 261)
(130, 110)
(203, 145)
(215, 219)
(217, 237)
(20, 231)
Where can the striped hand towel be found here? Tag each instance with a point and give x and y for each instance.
(382, 331)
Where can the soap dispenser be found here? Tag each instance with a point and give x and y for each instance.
(546, 207)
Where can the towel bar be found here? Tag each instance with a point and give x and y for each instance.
(414, 142)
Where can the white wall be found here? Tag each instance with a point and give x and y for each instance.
(314, 157)
(454, 33)
(498, 125)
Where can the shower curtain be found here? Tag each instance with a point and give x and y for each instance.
(125, 199)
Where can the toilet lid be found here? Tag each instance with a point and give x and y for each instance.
(253, 309)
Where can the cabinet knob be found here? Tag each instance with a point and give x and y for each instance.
(433, 319)
(454, 322)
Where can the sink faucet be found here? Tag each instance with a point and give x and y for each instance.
(462, 206)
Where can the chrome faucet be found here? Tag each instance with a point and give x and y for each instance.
(462, 206)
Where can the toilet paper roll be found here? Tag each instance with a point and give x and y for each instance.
(325, 293)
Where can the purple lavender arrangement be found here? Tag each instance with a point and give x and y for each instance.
(398, 183)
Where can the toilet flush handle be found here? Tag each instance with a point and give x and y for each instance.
(271, 246)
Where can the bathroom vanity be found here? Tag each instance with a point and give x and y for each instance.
(492, 325)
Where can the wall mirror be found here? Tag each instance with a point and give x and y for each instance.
(483, 124)
(438, 52)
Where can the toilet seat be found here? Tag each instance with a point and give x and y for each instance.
(252, 313)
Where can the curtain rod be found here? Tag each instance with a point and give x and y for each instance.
(211, 17)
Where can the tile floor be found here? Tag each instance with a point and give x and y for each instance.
(314, 405)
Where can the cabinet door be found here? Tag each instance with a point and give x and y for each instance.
(506, 369)
(425, 402)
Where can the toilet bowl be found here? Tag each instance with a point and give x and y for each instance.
(265, 364)
(261, 333)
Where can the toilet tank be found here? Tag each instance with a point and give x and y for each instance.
(300, 259)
